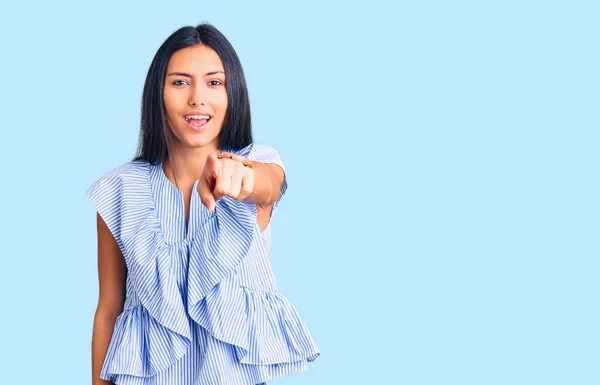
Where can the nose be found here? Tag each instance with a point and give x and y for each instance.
(196, 96)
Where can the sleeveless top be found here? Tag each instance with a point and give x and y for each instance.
(202, 304)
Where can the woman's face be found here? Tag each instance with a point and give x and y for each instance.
(195, 86)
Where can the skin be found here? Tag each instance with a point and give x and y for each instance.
(112, 273)
(195, 83)
(194, 158)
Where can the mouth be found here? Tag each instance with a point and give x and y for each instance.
(197, 122)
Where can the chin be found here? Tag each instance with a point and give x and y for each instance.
(195, 139)
(198, 141)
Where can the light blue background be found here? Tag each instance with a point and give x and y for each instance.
(441, 222)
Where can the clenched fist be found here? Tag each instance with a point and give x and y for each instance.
(224, 177)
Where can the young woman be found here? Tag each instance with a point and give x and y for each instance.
(187, 291)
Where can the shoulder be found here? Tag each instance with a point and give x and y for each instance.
(129, 168)
(128, 173)
(117, 194)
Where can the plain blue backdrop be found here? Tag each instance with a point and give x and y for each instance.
(441, 222)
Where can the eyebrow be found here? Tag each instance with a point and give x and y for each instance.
(189, 76)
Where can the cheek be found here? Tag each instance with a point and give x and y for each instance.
(222, 103)
(168, 100)
(172, 103)
(171, 108)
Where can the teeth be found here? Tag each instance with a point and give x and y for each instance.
(188, 118)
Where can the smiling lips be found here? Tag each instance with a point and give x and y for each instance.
(197, 122)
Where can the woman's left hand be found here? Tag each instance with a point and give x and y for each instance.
(224, 177)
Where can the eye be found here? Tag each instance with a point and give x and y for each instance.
(179, 82)
(215, 81)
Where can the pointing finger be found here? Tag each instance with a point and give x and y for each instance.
(223, 183)
(213, 165)
(206, 197)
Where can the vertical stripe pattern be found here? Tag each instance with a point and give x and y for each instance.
(203, 306)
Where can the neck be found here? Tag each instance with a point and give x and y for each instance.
(187, 164)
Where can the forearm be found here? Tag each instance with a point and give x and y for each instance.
(101, 335)
(267, 182)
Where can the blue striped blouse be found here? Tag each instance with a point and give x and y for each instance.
(202, 304)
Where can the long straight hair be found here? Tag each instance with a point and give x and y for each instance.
(155, 142)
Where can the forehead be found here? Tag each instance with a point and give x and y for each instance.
(195, 60)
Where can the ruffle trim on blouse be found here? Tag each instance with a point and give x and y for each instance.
(155, 334)
(142, 346)
(276, 333)
(263, 326)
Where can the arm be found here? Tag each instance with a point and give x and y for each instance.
(112, 273)
(268, 178)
